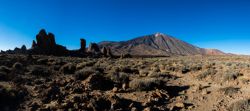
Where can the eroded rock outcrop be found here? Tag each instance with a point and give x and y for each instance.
(106, 52)
(83, 45)
(45, 44)
(93, 48)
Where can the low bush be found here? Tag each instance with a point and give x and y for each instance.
(229, 76)
(68, 68)
(145, 84)
(229, 90)
(208, 72)
(84, 73)
(241, 105)
(39, 70)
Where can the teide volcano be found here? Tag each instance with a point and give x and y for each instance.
(157, 45)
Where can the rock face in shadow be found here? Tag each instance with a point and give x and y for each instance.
(93, 48)
(45, 44)
(155, 45)
(106, 52)
(22, 50)
(83, 45)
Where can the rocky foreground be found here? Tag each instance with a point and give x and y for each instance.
(200, 83)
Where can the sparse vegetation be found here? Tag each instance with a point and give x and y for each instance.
(146, 84)
(241, 105)
(68, 83)
(69, 68)
(229, 90)
(229, 76)
(208, 72)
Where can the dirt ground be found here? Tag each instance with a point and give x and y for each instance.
(187, 83)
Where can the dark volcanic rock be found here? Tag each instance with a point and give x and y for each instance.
(46, 45)
(83, 45)
(109, 52)
(106, 52)
(22, 50)
(93, 48)
(33, 44)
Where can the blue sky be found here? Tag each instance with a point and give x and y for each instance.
(221, 24)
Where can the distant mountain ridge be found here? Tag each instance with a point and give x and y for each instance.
(157, 45)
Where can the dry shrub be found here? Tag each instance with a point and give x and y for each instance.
(229, 76)
(229, 90)
(145, 84)
(69, 68)
(39, 70)
(208, 72)
(241, 105)
(84, 73)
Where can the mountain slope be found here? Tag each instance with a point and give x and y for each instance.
(157, 45)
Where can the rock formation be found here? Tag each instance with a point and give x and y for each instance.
(93, 48)
(22, 50)
(106, 52)
(83, 45)
(45, 44)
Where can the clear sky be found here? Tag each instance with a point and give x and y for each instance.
(221, 24)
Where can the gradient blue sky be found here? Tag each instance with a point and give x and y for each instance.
(221, 24)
